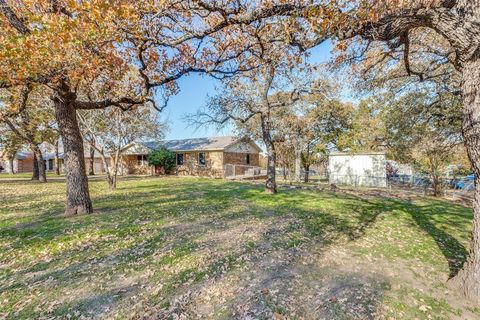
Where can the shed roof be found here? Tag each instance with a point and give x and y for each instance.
(336, 153)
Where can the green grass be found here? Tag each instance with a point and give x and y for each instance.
(25, 175)
(164, 247)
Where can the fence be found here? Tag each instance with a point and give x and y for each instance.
(237, 171)
(359, 180)
(450, 187)
(305, 175)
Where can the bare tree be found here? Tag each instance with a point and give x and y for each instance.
(109, 131)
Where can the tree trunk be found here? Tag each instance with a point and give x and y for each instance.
(57, 160)
(91, 170)
(306, 177)
(468, 279)
(78, 196)
(35, 167)
(112, 181)
(298, 162)
(270, 183)
(11, 164)
(436, 184)
(42, 176)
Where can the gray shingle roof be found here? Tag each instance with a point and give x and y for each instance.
(210, 143)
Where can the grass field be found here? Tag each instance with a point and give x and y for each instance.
(23, 175)
(185, 248)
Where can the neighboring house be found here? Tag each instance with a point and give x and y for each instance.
(207, 157)
(358, 169)
(23, 162)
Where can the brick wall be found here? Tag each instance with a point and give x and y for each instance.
(241, 158)
(131, 165)
(25, 165)
(213, 165)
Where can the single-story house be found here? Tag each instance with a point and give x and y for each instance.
(209, 157)
(22, 162)
(358, 169)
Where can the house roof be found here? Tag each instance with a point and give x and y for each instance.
(198, 144)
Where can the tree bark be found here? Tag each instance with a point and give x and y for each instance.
(436, 183)
(91, 170)
(35, 167)
(298, 162)
(468, 278)
(11, 164)
(57, 159)
(306, 177)
(270, 183)
(78, 196)
(42, 176)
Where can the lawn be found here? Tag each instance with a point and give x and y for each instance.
(185, 248)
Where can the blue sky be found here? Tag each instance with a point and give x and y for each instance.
(194, 89)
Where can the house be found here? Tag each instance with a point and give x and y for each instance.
(208, 157)
(22, 162)
(358, 169)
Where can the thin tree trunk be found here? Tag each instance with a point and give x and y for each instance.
(110, 169)
(35, 173)
(270, 183)
(42, 176)
(298, 162)
(91, 170)
(57, 159)
(306, 177)
(115, 167)
(468, 279)
(11, 163)
(78, 196)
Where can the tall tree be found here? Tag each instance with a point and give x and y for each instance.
(251, 101)
(65, 46)
(387, 29)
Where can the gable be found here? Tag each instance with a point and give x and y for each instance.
(243, 146)
(135, 148)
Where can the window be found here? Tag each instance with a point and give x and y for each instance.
(179, 159)
(141, 160)
(201, 159)
(247, 159)
(50, 164)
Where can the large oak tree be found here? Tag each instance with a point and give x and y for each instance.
(65, 46)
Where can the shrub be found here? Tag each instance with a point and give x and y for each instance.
(163, 158)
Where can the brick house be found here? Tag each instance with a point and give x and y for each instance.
(206, 157)
(22, 162)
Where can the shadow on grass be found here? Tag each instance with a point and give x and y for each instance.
(140, 214)
(427, 217)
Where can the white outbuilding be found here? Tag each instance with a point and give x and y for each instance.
(358, 169)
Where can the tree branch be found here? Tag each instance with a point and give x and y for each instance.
(14, 21)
